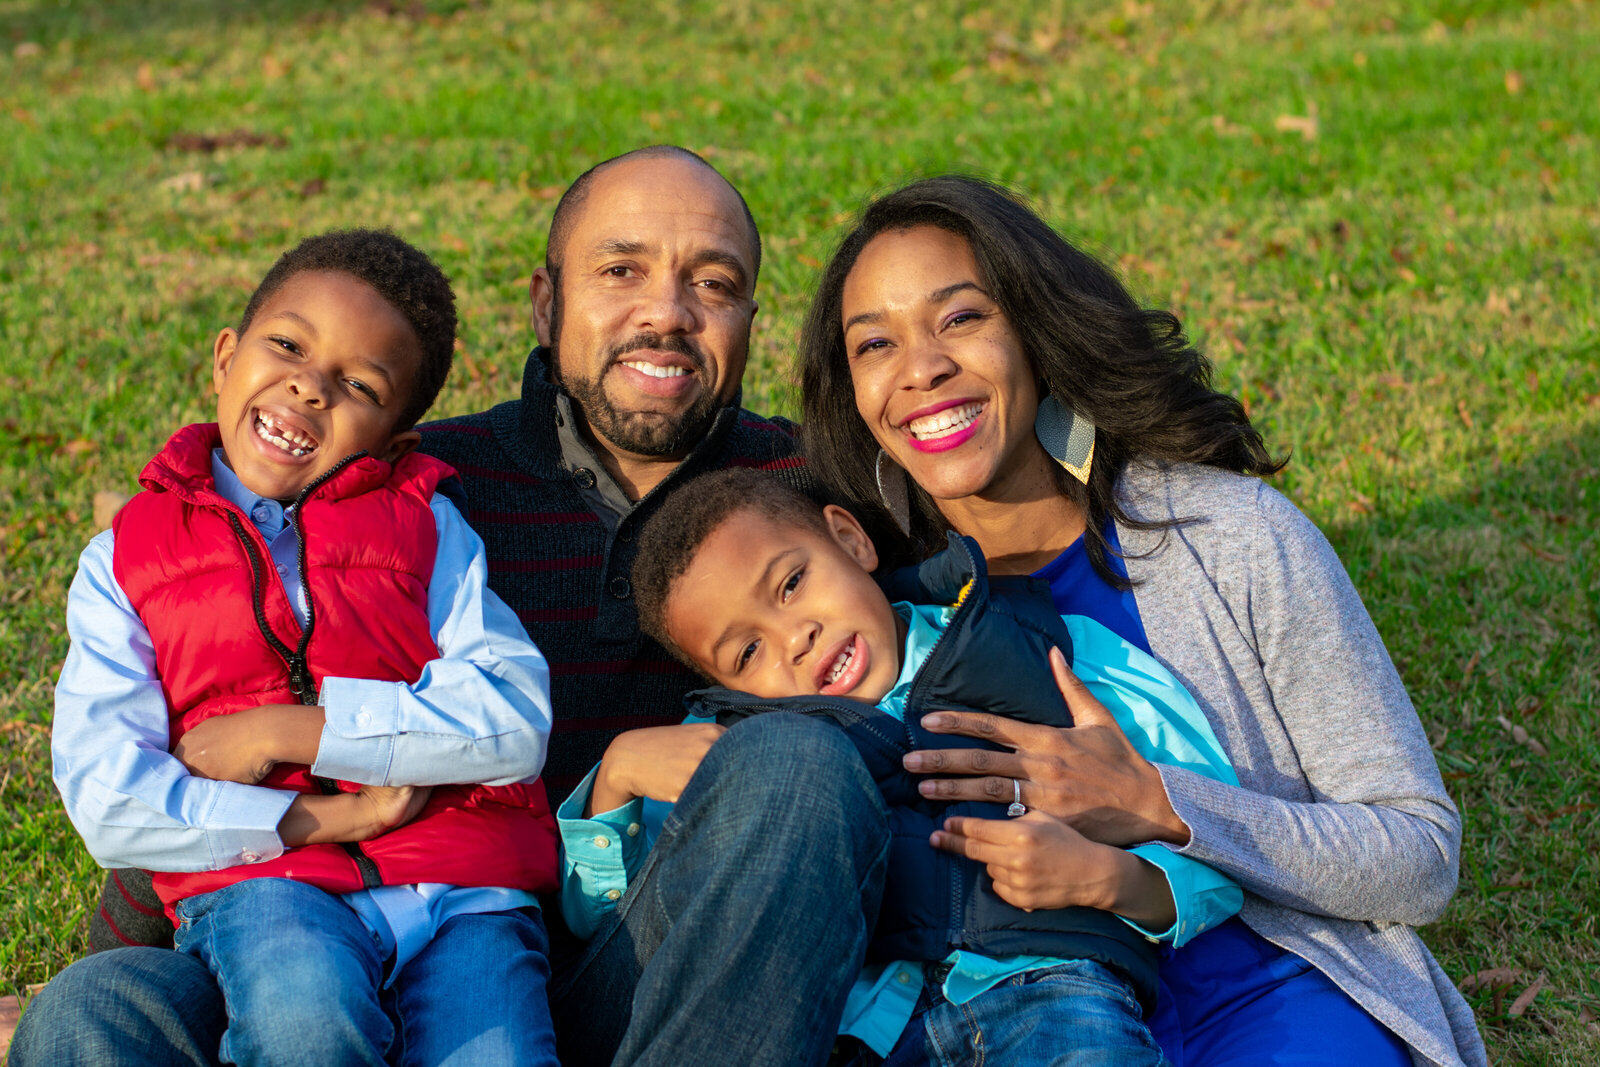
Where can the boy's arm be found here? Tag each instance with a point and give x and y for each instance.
(479, 713)
(599, 854)
(133, 803)
(1165, 725)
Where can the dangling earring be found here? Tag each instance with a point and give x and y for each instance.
(892, 488)
(1067, 435)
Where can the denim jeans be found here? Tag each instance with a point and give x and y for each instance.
(736, 944)
(738, 941)
(1075, 1014)
(301, 974)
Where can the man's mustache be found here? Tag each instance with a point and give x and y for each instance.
(661, 343)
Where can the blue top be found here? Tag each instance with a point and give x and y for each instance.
(481, 710)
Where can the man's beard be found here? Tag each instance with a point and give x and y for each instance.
(642, 433)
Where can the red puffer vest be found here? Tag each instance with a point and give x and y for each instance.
(200, 576)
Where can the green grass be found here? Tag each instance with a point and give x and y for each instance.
(1379, 218)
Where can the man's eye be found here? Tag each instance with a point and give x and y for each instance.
(618, 271)
(745, 655)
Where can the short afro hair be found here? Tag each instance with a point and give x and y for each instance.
(672, 537)
(400, 273)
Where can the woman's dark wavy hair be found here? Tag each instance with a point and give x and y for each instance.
(1128, 368)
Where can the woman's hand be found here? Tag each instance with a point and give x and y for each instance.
(1086, 774)
(656, 762)
(1038, 861)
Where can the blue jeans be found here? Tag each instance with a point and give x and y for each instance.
(738, 941)
(736, 944)
(1075, 1014)
(302, 977)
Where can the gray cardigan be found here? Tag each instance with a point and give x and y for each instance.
(1340, 832)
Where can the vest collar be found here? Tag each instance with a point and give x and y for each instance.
(184, 467)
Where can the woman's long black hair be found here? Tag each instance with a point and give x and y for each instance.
(1129, 369)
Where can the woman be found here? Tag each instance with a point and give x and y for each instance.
(955, 336)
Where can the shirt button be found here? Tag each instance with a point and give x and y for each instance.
(248, 856)
(904, 978)
(602, 842)
(633, 829)
(620, 588)
(614, 894)
(283, 569)
(584, 477)
(262, 513)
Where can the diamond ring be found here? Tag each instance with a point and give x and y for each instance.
(1017, 807)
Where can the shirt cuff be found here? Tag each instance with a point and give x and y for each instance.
(363, 718)
(1202, 897)
(247, 818)
(602, 849)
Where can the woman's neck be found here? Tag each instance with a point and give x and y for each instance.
(1018, 533)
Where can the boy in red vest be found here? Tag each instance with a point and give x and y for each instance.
(285, 657)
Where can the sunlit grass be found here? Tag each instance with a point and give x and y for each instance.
(1379, 219)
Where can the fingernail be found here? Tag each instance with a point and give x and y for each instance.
(932, 722)
(927, 789)
(911, 761)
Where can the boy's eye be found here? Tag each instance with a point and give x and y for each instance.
(363, 388)
(792, 583)
(746, 654)
(286, 344)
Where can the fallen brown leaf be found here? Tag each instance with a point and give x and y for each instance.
(1525, 998)
(106, 506)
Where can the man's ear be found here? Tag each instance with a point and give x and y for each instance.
(222, 356)
(399, 445)
(847, 530)
(542, 292)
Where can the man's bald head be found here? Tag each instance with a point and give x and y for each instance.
(570, 206)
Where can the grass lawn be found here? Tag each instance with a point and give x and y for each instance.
(1379, 218)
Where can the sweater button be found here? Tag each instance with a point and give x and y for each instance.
(625, 533)
(620, 588)
(584, 477)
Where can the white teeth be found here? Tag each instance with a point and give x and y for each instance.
(943, 422)
(843, 662)
(656, 371)
(291, 441)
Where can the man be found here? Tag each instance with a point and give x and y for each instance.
(738, 942)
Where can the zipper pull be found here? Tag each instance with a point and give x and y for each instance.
(300, 681)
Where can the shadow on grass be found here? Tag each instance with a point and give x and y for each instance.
(1489, 601)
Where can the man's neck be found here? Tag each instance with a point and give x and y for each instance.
(635, 475)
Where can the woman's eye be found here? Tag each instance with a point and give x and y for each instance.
(871, 346)
(745, 655)
(962, 317)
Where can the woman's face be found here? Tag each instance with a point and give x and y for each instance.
(940, 376)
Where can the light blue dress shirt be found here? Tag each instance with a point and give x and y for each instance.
(478, 713)
(1162, 722)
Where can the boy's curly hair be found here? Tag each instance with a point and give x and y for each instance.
(403, 275)
(672, 537)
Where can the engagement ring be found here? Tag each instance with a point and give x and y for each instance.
(1017, 806)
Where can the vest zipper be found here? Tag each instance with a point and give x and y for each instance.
(301, 682)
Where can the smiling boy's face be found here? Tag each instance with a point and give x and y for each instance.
(781, 609)
(325, 369)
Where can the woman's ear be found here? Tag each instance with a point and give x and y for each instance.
(847, 530)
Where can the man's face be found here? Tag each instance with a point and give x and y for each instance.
(652, 324)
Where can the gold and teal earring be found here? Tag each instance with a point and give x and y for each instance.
(892, 488)
(1067, 435)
